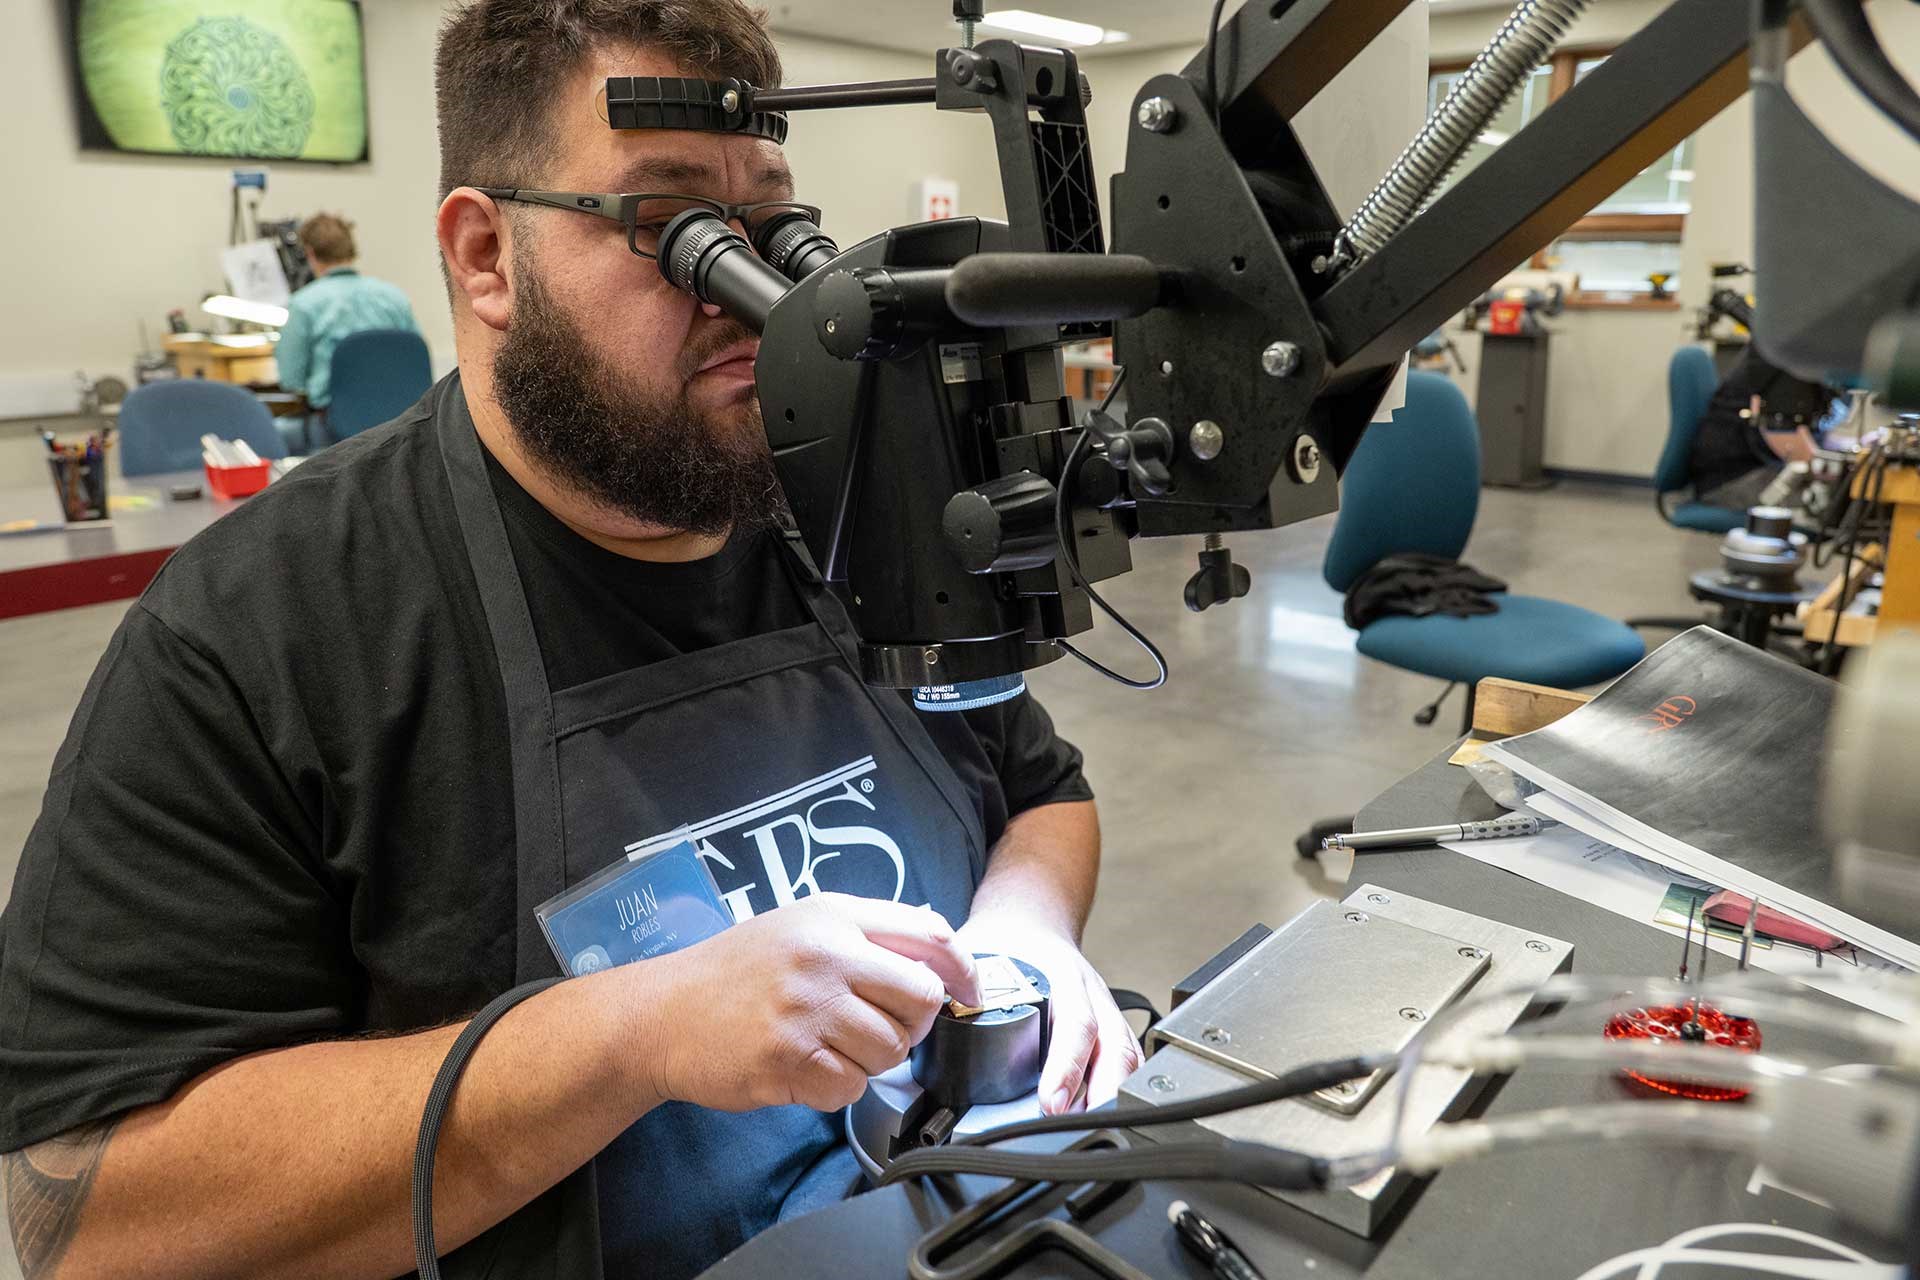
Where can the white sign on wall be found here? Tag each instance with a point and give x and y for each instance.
(254, 273)
(934, 199)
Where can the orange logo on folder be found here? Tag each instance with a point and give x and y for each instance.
(1670, 714)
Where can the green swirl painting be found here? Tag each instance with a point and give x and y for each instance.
(247, 79)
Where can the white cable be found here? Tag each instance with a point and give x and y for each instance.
(1692, 1123)
(1649, 1263)
(1779, 999)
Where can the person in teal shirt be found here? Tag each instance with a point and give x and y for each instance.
(339, 301)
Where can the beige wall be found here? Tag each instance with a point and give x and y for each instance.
(96, 242)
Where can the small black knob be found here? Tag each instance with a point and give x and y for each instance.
(1219, 579)
(1002, 525)
(873, 313)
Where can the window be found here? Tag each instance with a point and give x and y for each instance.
(1631, 235)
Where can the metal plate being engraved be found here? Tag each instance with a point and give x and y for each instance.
(1338, 980)
(1248, 1014)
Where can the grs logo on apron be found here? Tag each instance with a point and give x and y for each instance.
(778, 848)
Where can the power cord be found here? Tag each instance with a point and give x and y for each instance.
(1292, 1084)
(1213, 63)
(1869, 480)
(426, 1253)
(1228, 1161)
(1063, 530)
(1847, 35)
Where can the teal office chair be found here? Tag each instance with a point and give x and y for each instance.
(1413, 485)
(161, 424)
(1691, 380)
(377, 375)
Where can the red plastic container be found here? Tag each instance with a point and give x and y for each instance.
(1507, 317)
(238, 482)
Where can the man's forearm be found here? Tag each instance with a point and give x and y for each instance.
(299, 1161)
(1044, 868)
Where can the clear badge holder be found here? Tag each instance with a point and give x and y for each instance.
(649, 904)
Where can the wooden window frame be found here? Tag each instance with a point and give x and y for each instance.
(1595, 226)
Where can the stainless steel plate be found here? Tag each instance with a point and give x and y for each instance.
(1297, 998)
(1335, 981)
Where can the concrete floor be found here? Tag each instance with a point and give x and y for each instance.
(1270, 718)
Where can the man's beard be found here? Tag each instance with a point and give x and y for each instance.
(641, 454)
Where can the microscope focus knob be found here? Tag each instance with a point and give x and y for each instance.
(879, 313)
(1002, 525)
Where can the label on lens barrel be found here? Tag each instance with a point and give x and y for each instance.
(969, 694)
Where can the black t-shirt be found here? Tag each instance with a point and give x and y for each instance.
(283, 811)
(1728, 444)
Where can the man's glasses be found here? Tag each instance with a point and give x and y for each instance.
(645, 216)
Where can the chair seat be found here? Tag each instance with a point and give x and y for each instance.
(1707, 518)
(1531, 639)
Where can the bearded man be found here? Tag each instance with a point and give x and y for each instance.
(360, 730)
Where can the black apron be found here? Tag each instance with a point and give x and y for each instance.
(794, 778)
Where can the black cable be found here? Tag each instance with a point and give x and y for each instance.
(1872, 473)
(1213, 62)
(426, 1257)
(1294, 1084)
(1226, 1161)
(1848, 36)
(1063, 530)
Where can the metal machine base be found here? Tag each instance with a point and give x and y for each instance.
(889, 1118)
(1359, 976)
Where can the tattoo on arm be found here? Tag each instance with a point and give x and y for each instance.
(47, 1186)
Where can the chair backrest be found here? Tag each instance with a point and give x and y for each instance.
(1691, 380)
(1413, 484)
(377, 374)
(161, 424)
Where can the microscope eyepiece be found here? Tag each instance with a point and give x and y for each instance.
(794, 245)
(703, 255)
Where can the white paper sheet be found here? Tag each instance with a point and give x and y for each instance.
(1574, 863)
(254, 273)
(1570, 804)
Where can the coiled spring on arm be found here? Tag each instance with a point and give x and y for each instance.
(1523, 42)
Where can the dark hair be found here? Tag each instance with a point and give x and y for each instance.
(500, 63)
(329, 238)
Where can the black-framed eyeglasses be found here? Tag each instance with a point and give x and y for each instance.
(645, 215)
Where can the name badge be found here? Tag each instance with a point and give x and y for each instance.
(634, 910)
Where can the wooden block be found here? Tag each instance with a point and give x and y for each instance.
(1816, 616)
(1502, 708)
(1900, 597)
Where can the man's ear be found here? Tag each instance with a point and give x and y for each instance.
(473, 239)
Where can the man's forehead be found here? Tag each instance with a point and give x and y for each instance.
(708, 162)
(657, 159)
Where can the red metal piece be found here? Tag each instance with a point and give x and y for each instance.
(1669, 1023)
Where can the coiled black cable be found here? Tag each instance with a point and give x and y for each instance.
(426, 1256)
(1847, 35)
(1063, 495)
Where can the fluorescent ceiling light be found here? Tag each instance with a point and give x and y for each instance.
(1051, 28)
(240, 309)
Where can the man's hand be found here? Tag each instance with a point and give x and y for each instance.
(1092, 1049)
(1796, 445)
(803, 1004)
